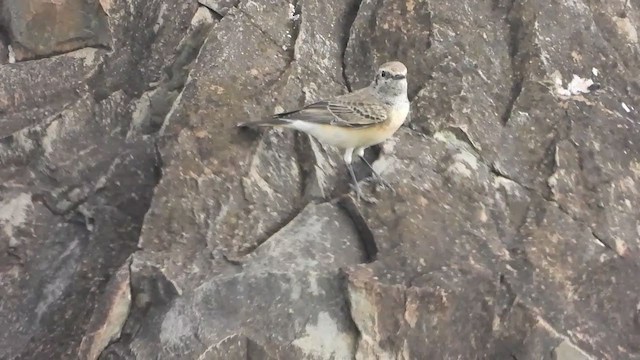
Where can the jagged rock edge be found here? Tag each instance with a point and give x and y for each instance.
(129, 260)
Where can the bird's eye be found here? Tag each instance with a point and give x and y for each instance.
(384, 74)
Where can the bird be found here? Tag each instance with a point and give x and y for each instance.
(353, 121)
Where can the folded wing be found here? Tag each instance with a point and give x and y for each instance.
(347, 113)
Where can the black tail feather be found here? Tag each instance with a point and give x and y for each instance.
(271, 122)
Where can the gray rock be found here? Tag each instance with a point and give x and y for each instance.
(291, 284)
(221, 7)
(4, 49)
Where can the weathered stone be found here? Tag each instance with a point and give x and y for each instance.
(267, 195)
(33, 92)
(540, 239)
(202, 163)
(275, 19)
(394, 318)
(153, 41)
(44, 27)
(512, 230)
(109, 317)
(173, 47)
(70, 263)
(293, 278)
(316, 73)
(75, 186)
(153, 106)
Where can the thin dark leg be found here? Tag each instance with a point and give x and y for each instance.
(380, 179)
(355, 181)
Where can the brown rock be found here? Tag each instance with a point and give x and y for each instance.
(204, 157)
(109, 317)
(512, 230)
(75, 187)
(401, 30)
(32, 93)
(45, 27)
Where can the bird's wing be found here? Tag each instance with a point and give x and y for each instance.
(347, 111)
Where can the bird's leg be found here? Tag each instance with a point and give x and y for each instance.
(348, 157)
(360, 152)
(355, 185)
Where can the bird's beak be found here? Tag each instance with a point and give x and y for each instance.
(399, 77)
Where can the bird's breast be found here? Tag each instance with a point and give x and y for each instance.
(397, 115)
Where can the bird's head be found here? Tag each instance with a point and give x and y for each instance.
(391, 80)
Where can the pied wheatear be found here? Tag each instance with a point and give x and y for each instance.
(353, 121)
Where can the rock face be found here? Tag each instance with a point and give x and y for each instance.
(137, 222)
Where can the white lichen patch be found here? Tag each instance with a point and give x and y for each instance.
(626, 28)
(325, 341)
(467, 158)
(202, 16)
(292, 13)
(160, 19)
(175, 327)
(106, 5)
(579, 85)
(576, 87)
(51, 135)
(12, 55)
(141, 110)
(567, 350)
(14, 212)
(88, 55)
(65, 268)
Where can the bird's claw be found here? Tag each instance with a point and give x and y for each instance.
(380, 181)
(386, 184)
(361, 196)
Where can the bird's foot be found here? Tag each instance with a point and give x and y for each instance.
(383, 182)
(378, 180)
(361, 196)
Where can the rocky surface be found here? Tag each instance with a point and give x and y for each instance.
(137, 222)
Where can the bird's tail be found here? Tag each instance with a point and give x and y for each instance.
(270, 122)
